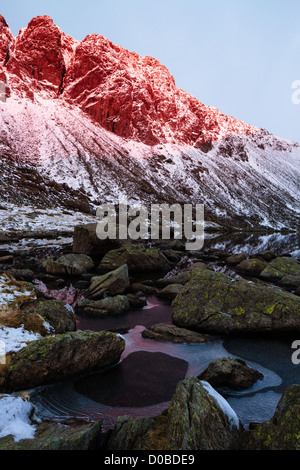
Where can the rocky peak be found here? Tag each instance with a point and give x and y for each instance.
(132, 96)
(6, 41)
(38, 56)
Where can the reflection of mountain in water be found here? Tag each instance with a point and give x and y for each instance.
(254, 243)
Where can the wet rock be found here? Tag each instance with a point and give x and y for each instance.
(56, 313)
(86, 242)
(181, 278)
(137, 257)
(57, 358)
(231, 373)
(234, 260)
(102, 308)
(282, 432)
(170, 292)
(281, 267)
(138, 287)
(162, 332)
(114, 282)
(217, 304)
(69, 435)
(70, 265)
(136, 301)
(252, 266)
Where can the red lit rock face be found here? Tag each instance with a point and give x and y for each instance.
(132, 96)
(6, 41)
(38, 55)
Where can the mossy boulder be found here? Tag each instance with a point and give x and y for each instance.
(214, 303)
(200, 419)
(70, 265)
(71, 435)
(252, 266)
(57, 358)
(59, 316)
(282, 432)
(138, 258)
(172, 333)
(109, 306)
(230, 373)
(114, 282)
(234, 260)
(281, 267)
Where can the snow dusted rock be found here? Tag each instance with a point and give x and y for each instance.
(54, 359)
(231, 373)
(15, 421)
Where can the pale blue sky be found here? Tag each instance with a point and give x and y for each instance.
(239, 56)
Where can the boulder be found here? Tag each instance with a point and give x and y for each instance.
(86, 242)
(162, 332)
(138, 258)
(214, 303)
(69, 435)
(200, 419)
(290, 282)
(170, 292)
(102, 308)
(58, 315)
(234, 260)
(114, 282)
(281, 267)
(70, 265)
(57, 358)
(136, 301)
(282, 432)
(252, 266)
(181, 278)
(230, 373)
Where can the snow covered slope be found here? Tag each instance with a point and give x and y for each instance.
(67, 135)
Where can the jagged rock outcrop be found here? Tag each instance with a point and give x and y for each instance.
(98, 120)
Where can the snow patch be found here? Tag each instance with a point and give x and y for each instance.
(223, 404)
(15, 421)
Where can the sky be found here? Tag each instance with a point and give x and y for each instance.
(239, 56)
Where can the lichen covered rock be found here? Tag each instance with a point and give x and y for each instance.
(57, 358)
(215, 303)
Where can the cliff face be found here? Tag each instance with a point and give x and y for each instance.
(134, 97)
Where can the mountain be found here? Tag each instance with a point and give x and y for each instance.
(86, 121)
